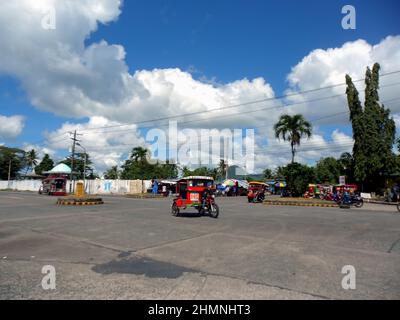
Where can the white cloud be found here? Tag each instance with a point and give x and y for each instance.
(11, 127)
(323, 68)
(63, 76)
(106, 148)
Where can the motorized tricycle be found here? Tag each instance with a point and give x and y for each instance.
(256, 191)
(195, 192)
(54, 186)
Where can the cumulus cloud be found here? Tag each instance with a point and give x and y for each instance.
(106, 148)
(325, 68)
(64, 76)
(11, 127)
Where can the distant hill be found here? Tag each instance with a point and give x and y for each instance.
(235, 172)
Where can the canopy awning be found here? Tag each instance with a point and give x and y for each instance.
(59, 169)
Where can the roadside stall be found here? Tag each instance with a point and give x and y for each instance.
(280, 187)
(167, 187)
(231, 185)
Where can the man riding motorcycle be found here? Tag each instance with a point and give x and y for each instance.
(208, 192)
(208, 204)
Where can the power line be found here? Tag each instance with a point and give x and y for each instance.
(231, 115)
(236, 105)
(232, 106)
(258, 127)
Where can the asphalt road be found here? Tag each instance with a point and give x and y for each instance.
(134, 249)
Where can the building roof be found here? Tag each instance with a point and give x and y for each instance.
(60, 168)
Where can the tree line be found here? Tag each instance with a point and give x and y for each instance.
(16, 163)
(372, 160)
(370, 164)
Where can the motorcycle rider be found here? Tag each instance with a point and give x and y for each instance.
(208, 192)
(346, 197)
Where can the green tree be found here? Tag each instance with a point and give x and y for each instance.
(164, 170)
(222, 168)
(186, 171)
(346, 162)
(297, 177)
(30, 160)
(11, 159)
(45, 165)
(293, 129)
(328, 170)
(373, 133)
(202, 171)
(112, 173)
(79, 166)
(139, 154)
(268, 174)
(138, 167)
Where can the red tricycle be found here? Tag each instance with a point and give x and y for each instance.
(195, 192)
(256, 191)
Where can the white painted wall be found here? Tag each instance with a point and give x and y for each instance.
(92, 186)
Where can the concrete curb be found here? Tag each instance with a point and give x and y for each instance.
(144, 196)
(79, 202)
(300, 204)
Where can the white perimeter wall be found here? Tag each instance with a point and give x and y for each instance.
(92, 186)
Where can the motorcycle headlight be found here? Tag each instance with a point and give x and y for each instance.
(213, 196)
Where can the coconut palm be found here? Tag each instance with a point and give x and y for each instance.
(30, 160)
(292, 129)
(222, 167)
(139, 153)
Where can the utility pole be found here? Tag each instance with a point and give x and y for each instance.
(84, 165)
(9, 172)
(74, 141)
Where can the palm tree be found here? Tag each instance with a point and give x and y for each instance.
(113, 173)
(30, 160)
(139, 153)
(222, 167)
(292, 129)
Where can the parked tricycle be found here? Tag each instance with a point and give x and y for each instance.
(256, 191)
(195, 192)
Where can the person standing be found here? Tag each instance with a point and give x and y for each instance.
(237, 188)
(155, 187)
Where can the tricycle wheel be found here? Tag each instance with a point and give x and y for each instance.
(175, 210)
(214, 211)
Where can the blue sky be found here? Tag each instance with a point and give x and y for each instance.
(230, 40)
(222, 41)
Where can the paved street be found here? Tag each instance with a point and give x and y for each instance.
(134, 249)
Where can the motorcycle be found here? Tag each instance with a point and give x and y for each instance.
(209, 206)
(351, 201)
(333, 197)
